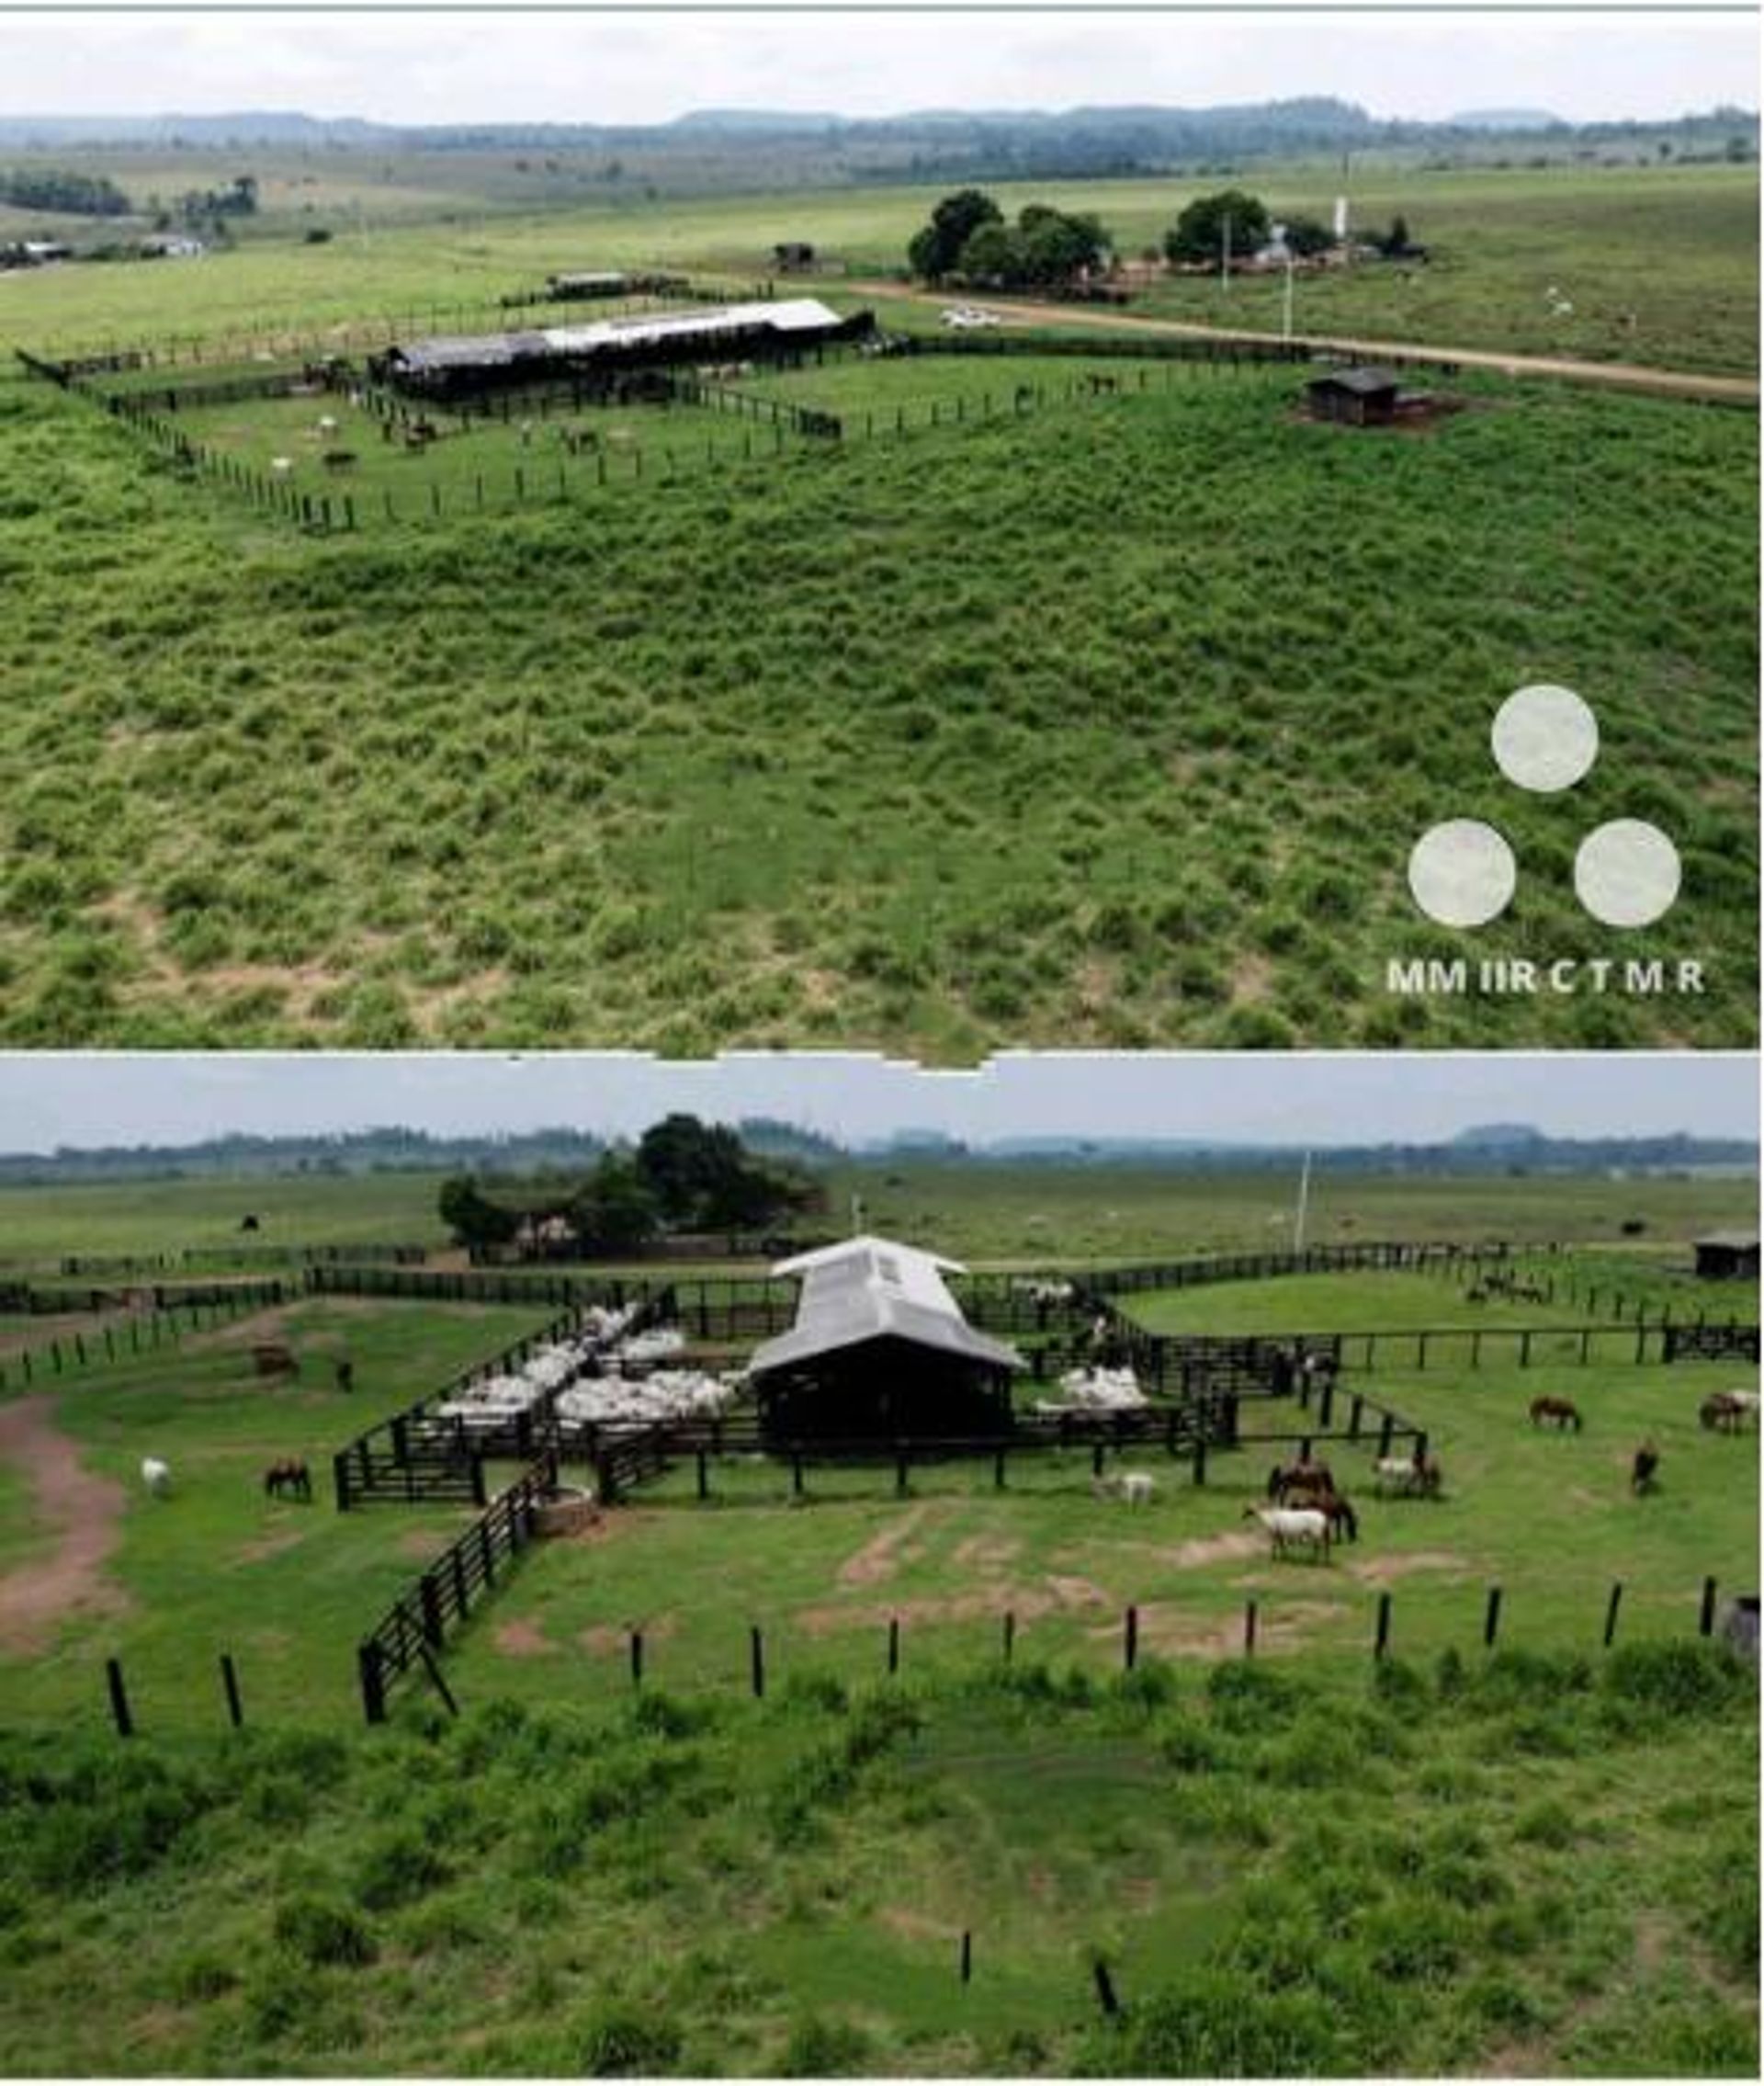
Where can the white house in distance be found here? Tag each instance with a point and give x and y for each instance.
(880, 1350)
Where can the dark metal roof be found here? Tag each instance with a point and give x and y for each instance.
(1362, 382)
(1734, 1242)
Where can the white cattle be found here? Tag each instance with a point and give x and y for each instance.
(156, 1475)
(1135, 1488)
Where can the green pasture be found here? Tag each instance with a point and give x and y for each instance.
(287, 1588)
(1076, 729)
(1373, 1301)
(1674, 248)
(1029, 1215)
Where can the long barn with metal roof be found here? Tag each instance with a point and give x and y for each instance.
(456, 364)
(880, 1350)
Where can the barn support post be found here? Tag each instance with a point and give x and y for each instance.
(119, 1710)
(703, 1476)
(796, 1473)
(1491, 1619)
(1611, 1605)
(1200, 1458)
(902, 1460)
(1097, 1454)
(230, 1682)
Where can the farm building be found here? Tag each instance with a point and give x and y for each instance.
(585, 284)
(1729, 1256)
(793, 257)
(1360, 398)
(461, 365)
(879, 1349)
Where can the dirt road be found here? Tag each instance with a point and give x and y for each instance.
(83, 1515)
(1616, 376)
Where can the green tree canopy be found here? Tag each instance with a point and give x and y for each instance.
(472, 1216)
(937, 247)
(615, 1209)
(1198, 233)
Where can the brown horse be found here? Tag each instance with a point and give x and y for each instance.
(1643, 1469)
(1559, 1411)
(1308, 1476)
(288, 1474)
(1336, 1510)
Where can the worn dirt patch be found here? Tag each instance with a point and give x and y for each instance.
(876, 1560)
(986, 1553)
(83, 1514)
(606, 1639)
(917, 1926)
(1054, 1595)
(521, 1637)
(1172, 1633)
(1381, 1571)
(1201, 1550)
(271, 1545)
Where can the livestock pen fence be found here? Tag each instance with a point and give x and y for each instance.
(143, 1321)
(241, 1256)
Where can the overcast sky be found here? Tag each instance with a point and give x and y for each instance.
(47, 1100)
(651, 64)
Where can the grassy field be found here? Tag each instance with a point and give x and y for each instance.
(1675, 247)
(1540, 1862)
(286, 1588)
(1077, 728)
(1027, 1215)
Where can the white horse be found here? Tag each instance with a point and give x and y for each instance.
(156, 1475)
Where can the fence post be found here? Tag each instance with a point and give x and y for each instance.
(636, 1658)
(894, 1644)
(756, 1661)
(902, 1459)
(703, 1476)
(1385, 1425)
(1010, 1634)
(1382, 1644)
(1706, 1619)
(1250, 1629)
(1355, 1413)
(370, 1664)
(1610, 1611)
(967, 1956)
(1200, 1459)
(230, 1680)
(1130, 1641)
(1491, 1619)
(118, 1698)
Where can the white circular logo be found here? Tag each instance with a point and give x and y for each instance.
(1627, 873)
(1462, 873)
(1545, 738)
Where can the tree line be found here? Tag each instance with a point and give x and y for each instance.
(681, 1175)
(63, 189)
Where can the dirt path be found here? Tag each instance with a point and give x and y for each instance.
(1618, 376)
(84, 1516)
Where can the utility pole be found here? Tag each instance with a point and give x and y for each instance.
(1304, 1205)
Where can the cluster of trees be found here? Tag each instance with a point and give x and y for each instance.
(212, 206)
(59, 188)
(968, 238)
(1233, 221)
(681, 1175)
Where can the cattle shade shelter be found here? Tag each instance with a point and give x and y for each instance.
(880, 1350)
(456, 364)
(1362, 398)
(1729, 1256)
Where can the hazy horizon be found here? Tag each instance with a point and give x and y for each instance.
(408, 66)
(1286, 1099)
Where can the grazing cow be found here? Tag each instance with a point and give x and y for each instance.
(156, 1475)
(288, 1474)
(248, 1222)
(1287, 1525)
(1644, 1471)
(1558, 1411)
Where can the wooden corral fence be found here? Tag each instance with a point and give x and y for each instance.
(422, 1454)
(415, 1626)
(243, 1256)
(477, 1285)
(1704, 1343)
(142, 1322)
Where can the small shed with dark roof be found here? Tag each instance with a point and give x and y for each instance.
(1729, 1256)
(1359, 398)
